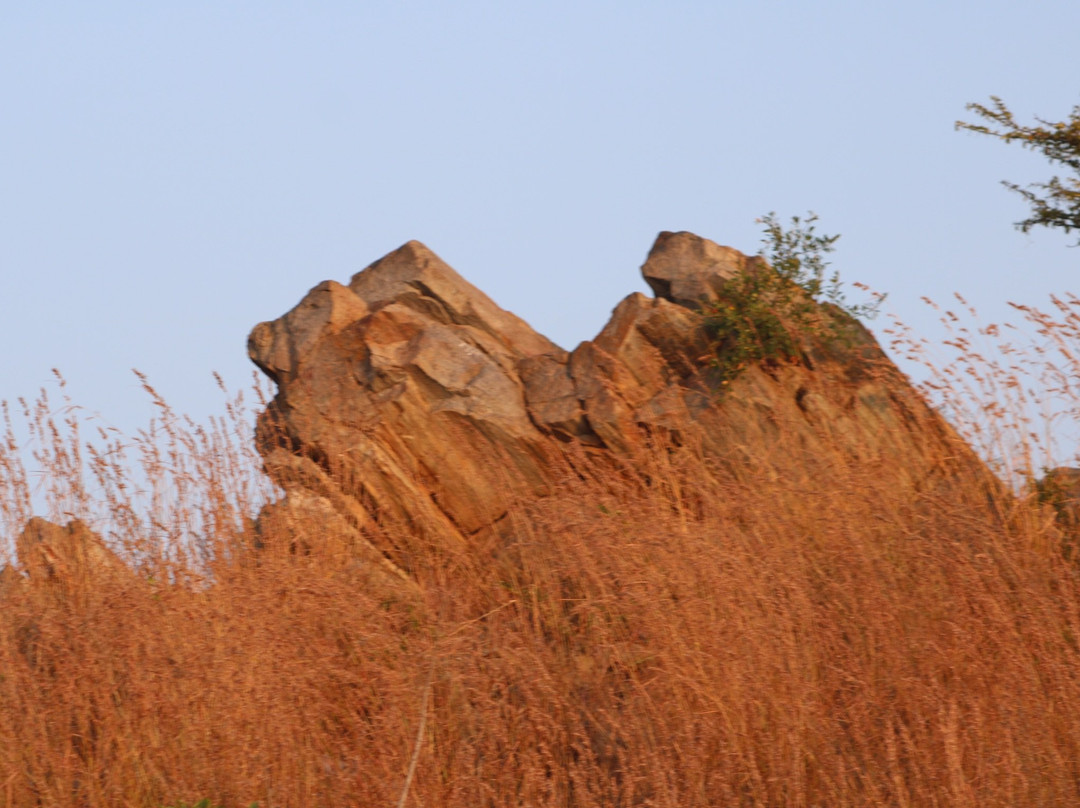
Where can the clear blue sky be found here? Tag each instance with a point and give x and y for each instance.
(172, 173)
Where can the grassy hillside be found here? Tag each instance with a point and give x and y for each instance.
(649, 636)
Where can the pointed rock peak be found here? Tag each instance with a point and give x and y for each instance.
(414, 276)
(691, 270)
(400, 271)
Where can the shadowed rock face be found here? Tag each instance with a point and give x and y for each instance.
(409, 395)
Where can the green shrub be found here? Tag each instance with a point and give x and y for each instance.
(762, 316)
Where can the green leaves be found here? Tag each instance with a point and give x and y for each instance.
(798, 255)
(1055, 203)
(762, 314)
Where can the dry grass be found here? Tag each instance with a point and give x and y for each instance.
(650, 636)
(1013, 390)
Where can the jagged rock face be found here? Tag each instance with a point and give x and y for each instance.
(400, 396)
(410, 395)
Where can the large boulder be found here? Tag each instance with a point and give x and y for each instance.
(399, 398)
(409, 397)
(693, 271)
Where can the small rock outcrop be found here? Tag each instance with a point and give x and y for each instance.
(408, 395)
(50, 554)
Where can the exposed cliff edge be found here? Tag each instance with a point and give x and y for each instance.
(409, 395)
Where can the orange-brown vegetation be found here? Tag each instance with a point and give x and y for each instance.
(645, 636)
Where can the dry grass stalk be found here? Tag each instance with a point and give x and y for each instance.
(649, 636)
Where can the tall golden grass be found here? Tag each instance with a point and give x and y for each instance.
(650, 636)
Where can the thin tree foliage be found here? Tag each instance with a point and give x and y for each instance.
(1056, 203)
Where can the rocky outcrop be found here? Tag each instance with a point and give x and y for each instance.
(409, 396)
(693, 271)
(61, 556)
(400, 398)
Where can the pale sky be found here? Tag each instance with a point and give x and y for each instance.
(172, 173)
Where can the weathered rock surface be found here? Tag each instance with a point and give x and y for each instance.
(692, 271)
(399, 397)
(51, 554)
(409, 396)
